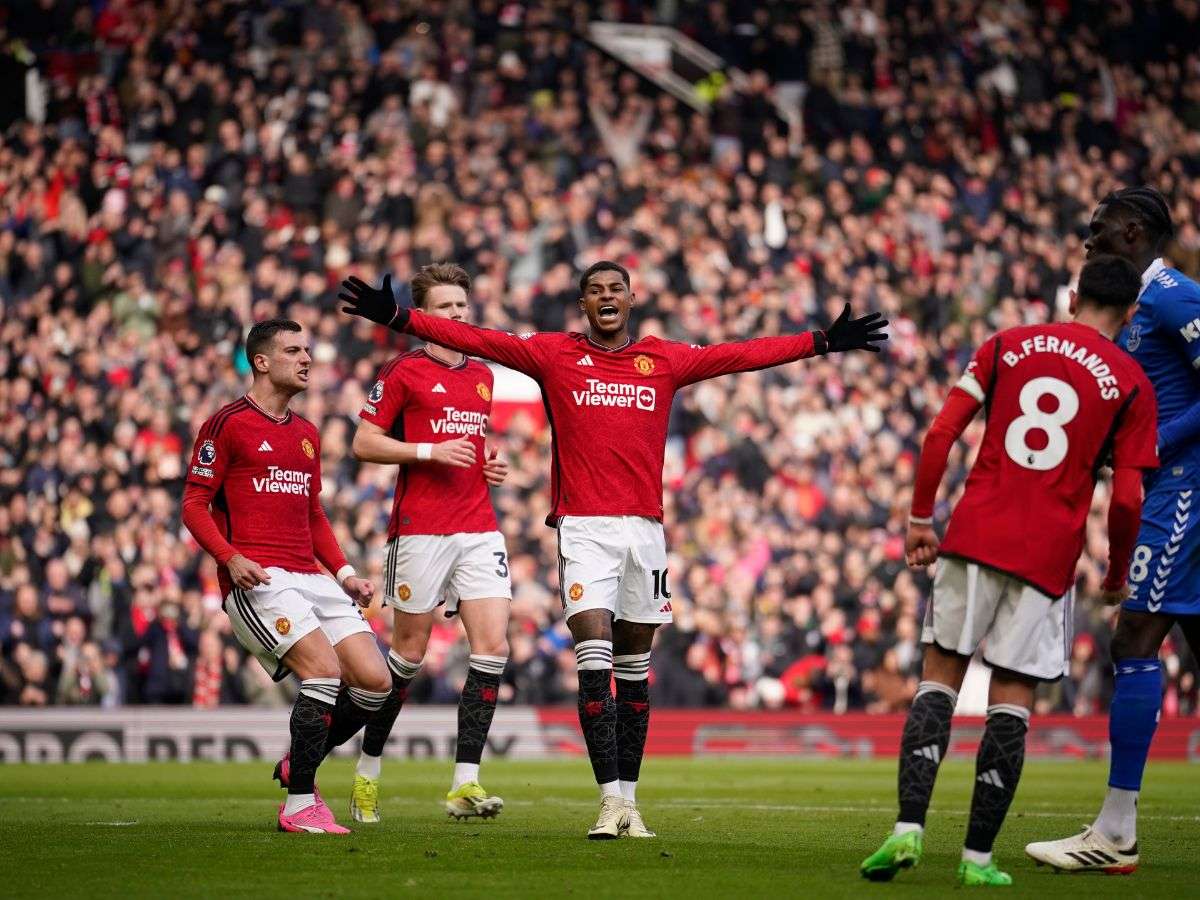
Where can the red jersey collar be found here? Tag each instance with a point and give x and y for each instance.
(443, 363)
(625, 346)
(278, 421)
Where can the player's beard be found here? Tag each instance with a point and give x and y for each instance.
(295, 384)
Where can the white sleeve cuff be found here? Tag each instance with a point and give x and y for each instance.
(346, 571)
(971, 385)
(919, 520)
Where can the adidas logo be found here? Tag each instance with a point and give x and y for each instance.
(932, 753)
(586, 360)
(1092, 857)
(992, 777)
(666, 607)
(438, 389)
(264, 447)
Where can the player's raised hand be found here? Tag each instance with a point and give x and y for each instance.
(495, 468)
(920, 546)
(865, 333)
(360, 590)
(246, 573)
(459, 453)
(377, 304)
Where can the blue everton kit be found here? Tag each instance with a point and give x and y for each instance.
(1164, 337)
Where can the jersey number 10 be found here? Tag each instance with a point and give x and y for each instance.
(661, 591)
(1049, 423)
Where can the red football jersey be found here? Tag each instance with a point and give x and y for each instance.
(267, 475)
(1060, 400)
(609, 408)
(420, 399)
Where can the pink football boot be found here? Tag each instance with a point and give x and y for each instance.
(283, 774)
(315, 819)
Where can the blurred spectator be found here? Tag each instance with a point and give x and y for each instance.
(203, 165)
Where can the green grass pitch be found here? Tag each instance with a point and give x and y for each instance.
(727, 828)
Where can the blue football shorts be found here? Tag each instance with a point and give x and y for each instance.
(1164, 574)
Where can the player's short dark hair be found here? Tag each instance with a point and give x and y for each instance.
(262, 333)
(604, 265)
(1109, 282)
(1148, 207)
(430, 276)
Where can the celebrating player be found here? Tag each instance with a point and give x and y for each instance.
(1164, 577)
(609, 399)
(428, 412)
(252, 503)
(1061, 400)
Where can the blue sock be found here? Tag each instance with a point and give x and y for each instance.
(1132, 718)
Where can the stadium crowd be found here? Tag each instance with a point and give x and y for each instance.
(187, 168)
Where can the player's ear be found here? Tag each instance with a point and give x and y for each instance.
(1129, 313)
(1132, 232)
(1073, 303)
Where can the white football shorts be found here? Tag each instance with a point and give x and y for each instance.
(618, 563)
(422, 571)
(1021, 629)
(270, 618)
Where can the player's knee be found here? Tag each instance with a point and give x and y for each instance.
(632, 637)
(1124, 645)
(325, 669)
(1132, 640)
(410, 645)
(379, 680)
(492, 645)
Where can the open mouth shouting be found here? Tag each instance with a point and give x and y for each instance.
(608, 314)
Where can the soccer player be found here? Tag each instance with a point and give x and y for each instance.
(1061, 400)
(1164, 337)
(252, 503)
(609, 398)
(428, 412)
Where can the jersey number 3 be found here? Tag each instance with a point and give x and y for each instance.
(1050, 424)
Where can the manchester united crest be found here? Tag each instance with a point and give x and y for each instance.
(644, 364)
(404, 592)
(576, 591)
(483, 391)
(307, 447)
(282, 625)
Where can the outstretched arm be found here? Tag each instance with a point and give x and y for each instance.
(379, 305)
(921, 544)
(697, 363)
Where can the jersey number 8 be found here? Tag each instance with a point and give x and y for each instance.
(1016, 439)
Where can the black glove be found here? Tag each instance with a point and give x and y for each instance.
(851, 334)
(377, 304)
